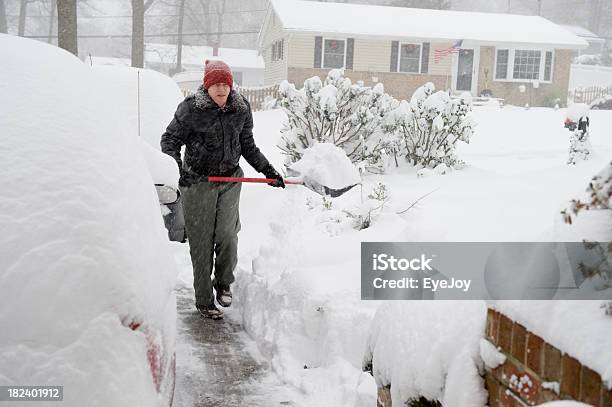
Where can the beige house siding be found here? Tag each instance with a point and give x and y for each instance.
(398, 85)
(510, 91)
(275, 71)
(300, 51)
(371, 55)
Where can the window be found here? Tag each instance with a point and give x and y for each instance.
(333, 53)
(548, 66)
(501, 66)
(237, 75)
(526, 64)
(410, 58)
(278, 50)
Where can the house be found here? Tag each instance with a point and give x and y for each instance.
(596, 43)
(523, 59)
(247, 65)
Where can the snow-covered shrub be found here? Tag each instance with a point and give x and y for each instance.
(599, 192)
(336, 220)
(588, 59)
(431, 125)
(599, 198)
(335, 111)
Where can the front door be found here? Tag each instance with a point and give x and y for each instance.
(465, 70)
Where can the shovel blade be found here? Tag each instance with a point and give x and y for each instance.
(324, 190)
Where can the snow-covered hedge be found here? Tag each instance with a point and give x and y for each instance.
(335, 111)
(431, 125)
(371, 126)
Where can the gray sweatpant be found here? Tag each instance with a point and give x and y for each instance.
(212, 221)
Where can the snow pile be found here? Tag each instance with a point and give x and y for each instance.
(299, 299)
(83, 250)
(429, 349)
(328, 165)
(159, 97)
(490, 355)
(564, 404)
(567, 325)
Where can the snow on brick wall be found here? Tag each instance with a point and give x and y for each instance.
(535, 371)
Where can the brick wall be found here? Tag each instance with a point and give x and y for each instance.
(534, 370)
(399, 85)
(510, 90)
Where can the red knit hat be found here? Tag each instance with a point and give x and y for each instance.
(217, 72)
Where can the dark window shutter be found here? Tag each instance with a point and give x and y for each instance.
(318, 51)
(282, 47)
(425, 58)
(350, 46)
(394, 55)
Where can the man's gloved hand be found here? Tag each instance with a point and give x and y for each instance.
(270, 172)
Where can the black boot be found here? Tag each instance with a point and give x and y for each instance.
(224, 294)
(210, 311)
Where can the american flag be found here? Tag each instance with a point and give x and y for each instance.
(440, 53)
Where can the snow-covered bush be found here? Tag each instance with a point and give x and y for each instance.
(431, 125)
(339, 112)
(599, 198)
(600, 195)
(336, 220)
(588, 59)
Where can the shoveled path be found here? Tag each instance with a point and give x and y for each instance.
(213, 367)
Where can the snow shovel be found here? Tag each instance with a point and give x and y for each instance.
(314, 186)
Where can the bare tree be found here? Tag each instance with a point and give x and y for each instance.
(220, 13)
(23, 11)
(179, 38)
(139, 7)
(51, 20)
(67, 25)
(3, 24)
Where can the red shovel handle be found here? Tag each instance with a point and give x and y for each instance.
(242, 179)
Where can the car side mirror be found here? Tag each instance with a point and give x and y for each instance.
(167, 194)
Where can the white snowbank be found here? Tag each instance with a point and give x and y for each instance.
(430, 349)
(159, 97)
(327, 165)
(83, 247)
(162, 167)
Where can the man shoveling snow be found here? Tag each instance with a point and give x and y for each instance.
(215, 126)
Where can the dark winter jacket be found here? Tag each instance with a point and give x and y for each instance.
(214, 138)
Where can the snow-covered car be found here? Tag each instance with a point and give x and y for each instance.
(147, 114)
(86, 277)
(603, 103)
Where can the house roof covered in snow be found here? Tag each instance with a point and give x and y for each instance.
(196, 55)
(401, 22)
(584, 33)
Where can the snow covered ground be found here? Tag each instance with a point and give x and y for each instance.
(298, 281)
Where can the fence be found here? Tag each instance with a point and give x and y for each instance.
(588, 94)
(255, 95)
